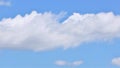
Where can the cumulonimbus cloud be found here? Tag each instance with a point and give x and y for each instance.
(44, 31)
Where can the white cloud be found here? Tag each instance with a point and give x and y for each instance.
(65, 63)
(5, 3)
(77, 63)
(116, 61)
(61, 63)
(43, 31)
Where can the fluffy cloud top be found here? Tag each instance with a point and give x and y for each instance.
(4, 3)
(65, 63)
(116, 61)
(43, 31)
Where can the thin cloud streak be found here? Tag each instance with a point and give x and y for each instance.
(5, 3)
(65, 63)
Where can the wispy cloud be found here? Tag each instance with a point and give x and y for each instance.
(65, 63)
(116, 61)
(43, 31)
(5, 3)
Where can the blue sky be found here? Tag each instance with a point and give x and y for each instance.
(99, 52)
